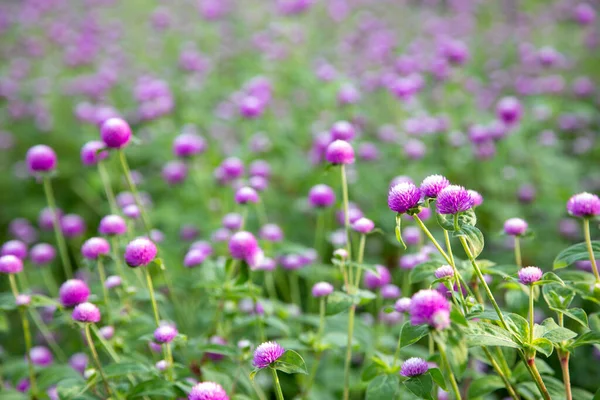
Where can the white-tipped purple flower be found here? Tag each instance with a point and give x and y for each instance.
(131, 211)
(22, 300)
(15, 248)
(174, 172)
(339, 152)
(86, 312)
(245, 195)
(321, 289)
(340, 254)
(402, 305)
(232, 168)
(445, 271)
(232, 221)
(266, 354)
(430, 307)
(363, 225)
(414, 367)
(165, 333)
(390, 291)
(112, 225)
(477, 198)
(271, 233)
(242, 245)
(433, 185)
(509, 110)
(188, 145)
(194, 257)
(91, 152)
(10, 264)
(342, 130)
(530, 275)
(403, 196)
(78, 362)
(115, 133)
(95, 247)
(107, 332)
(321, 196)
(376, 280)
(515, 227)
(72, 225)
(73, 292)
(140, 252)
(584, 205)
(41, 356)
(41, 158)
(112, 282)
(454, 199)
(208, 391)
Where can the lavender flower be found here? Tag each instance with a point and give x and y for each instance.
(174, 172)
(321, 196)
(208, 391)
(41, 158)
(477, 198)
(86, 312)
(194, 257)
(73, 292)
(271, 232)
(339, 152)
(414, 367)
(245, 195)
(363, 225)
(529, 275)
(390, 291)
(433, 185)
(10, 264)
(445, 271)
(403, 196)
(402, 305)
(430, 307)
(321, 289)
(374, 280)
(115, 133)
(112, 225)
(95, 247)
(165, 334)
(113, 281)
(78, 362)
(140, 252)
(454, 199)
(584, 205)
(515, 227)
(91, 154)
(342, 130)
(188, 145)
(242, 245)
(266, 354)
(15, 248)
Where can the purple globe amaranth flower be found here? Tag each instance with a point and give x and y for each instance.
(266, 354)
(376, 280)
(584, 205)
(42, 254)
(208, 391)
(220, 341)
(363, 225)
(515, 227)
(22, 300)
(73, 292)
(95, 247)
(232, 221)
(411, 235)
(414, 366)
(140, 252)
(131, 211)
(584, 14)
(251, 107)
(165, 333)
(78, 362)
(10, 264)
(86, 312)
(454, 199)
(529, 275)
(509, 110)
(188, 145)
(321, 196)
(91, 152)
(113, 281)
(429, 307)
(174, 172)
(403, 197)
(242, 245)
(477, 198)
(41, 158)
(260, 168)
(245, 195)
(339, 152)
(72, 225)
(390, 291)
(107, 332)
(271, 232)
(194, 257)
(232, 168)
(41, 356)
(433, 185)
(445, 271)
(321, 289)
(115, 133)
(112, 225)
(15, 248)
(161, 365)
(342, 130)
(402, 305)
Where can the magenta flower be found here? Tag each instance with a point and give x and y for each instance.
(174, 172)
(363, 225)
(94, 248)
(529, 275)
(194, 257)
(477, 198)
(321, 196)
(73, 292)
(15, 248)
(584, 205)
(208, 391)
(245, 195)
(112, 225)
(402, 305)
(41, 158)
(430, 307)
(374, 280)
(454, 199)
(403, 196)
(339, 152)
(266, 354)
(86, 312)
(515, 227)
(188, 145)
(433, 185)
(242, 245)
(165, 333)
(445, 271)
(271, 232)
(10, 264)
(41, 356)
(115, 133)
(413, 367)
(140, 252)
(342, 130)
(91, 152)
(321, 289)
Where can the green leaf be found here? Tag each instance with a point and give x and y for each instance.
(371, 372)
(126, 368)
(398, 231)
(383, 387)
(157, 387)
(338, 302)
(214, 348)
(457, 317)
(13, 395)
(474, 238)
(365, 267)
(544, 346)
(438, 377)
(549, 277)
(486, 334)
(484, 386)
(446, 221)
(420, 385)
(4, 323)
(518, 326)
(589, 337)
(577, 252)
(577, 315)
(363, 297)
(253, 373)
(558, 297)
(597, 395)
(7, 302)
(424, 271)
(291, 363)
(555, 333)
(410, 334)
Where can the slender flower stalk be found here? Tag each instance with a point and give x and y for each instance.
(431, 238)
(102, 275)
(39, 323)
(26, 334)
(60, 239)
(49, 281)
(535, 373)
(277, 385)
(315, 368)
(110, 195)
(531, 314)
(518, 251)
(134, 191)
(88, 337)
(563, 357)
(588, 244)
(457, 275)
(346, 210)
(152, 298)
(451, 378)
(500, 372)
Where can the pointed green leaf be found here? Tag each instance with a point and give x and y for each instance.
(474, 238)
(484, 386)
(438, 377)
(383, 387)
(410, 334)
(291, 363)
(577, 252)
(486, 334)
(420, 385)
(338, 302)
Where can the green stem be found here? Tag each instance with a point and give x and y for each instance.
(319, 233)
(346, 210)
(518, 252)
(96, 359)
(397, 352)
(102, 275)
(313, 374)
(321, 319)
(60, 239)
(457, 275)
(446, 364)
(152, 299)
(531, 315)
(110, 195)
(588, 244)
(49, 280)
(295, 289)
(507, 384)
(117, 259)
(134, 191)
(349, 353)
(278, 391)
(431, 238)
(47, 335)
(26, 333)
(359, 260)
(563, 356)
(170, 366)
(538, 379)
(270, 283)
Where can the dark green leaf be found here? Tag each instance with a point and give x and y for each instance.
(438, 378)
(484, 385)
(126, 368)
(291, 363)
(558, 297)
(213, 348)
(383, 387)
(544, 346)
(371, 372)
(420, 385)
(412, 333)
(338, 302)
(487, 334)
(424, 271)
(549, 277)
(577, 252)
(555, 333)
(589, 337)
(446, 221)
(457, 317)
(152, 388)
(578, 315)
(363, 297)
(474, 238)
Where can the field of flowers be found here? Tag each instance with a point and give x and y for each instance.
(299, 199)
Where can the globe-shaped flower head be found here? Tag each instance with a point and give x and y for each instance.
(165, 333)
(430, 307)
(91, 152)
(42, 254)
(15, 248)
(112, 225)
(10, 264)
(375, 280)
(194, 257)
(245, 195)
(509, 110)
(321, 196)
(403, 196)
(140, 252)
(339, 152)
(584, 205)
(94, 248)
(477, 198)
(321, 289)
(515, 227)
(73, 292)
(342, 130)
(266, 354)
(529, 275)
(115, 133)
(188, 145)
(243, 245)
(41, 356)
(433, 185)
(402, 305)
(174, 172)
(41, 158)
(363, 225)
(208, 391)
(454, 199)
(86, 312)
(445, 271)
(414, 367)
